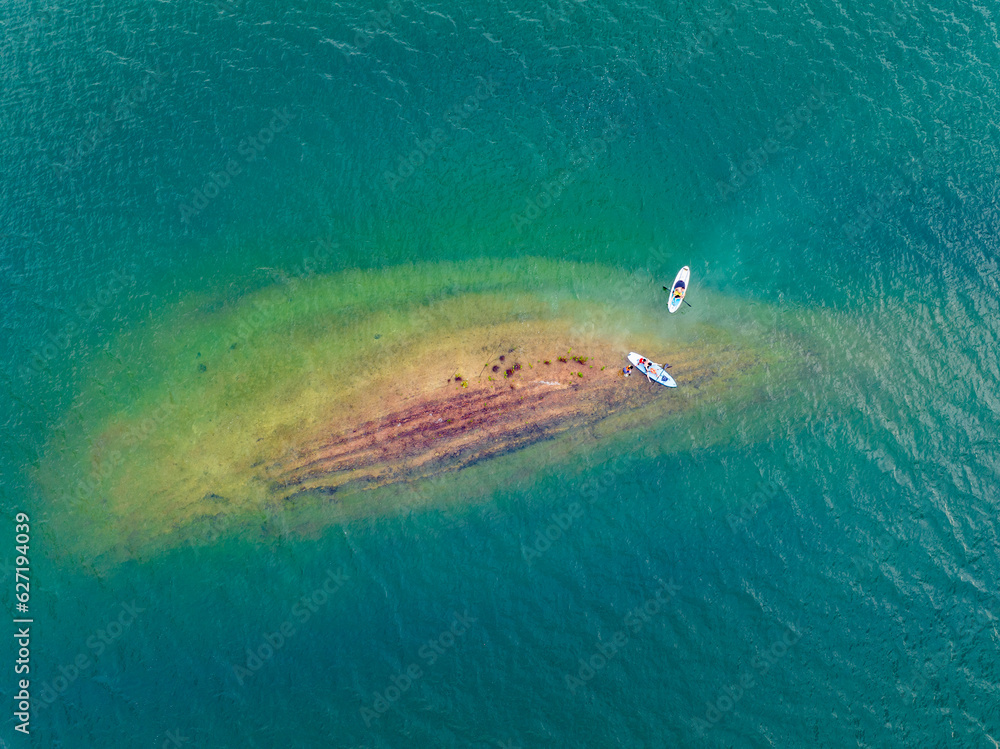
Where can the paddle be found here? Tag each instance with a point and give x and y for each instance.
(683, 300)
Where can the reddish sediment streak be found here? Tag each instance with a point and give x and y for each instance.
(453, 429)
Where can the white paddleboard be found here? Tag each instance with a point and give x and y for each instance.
(652, 370)
(679, 289)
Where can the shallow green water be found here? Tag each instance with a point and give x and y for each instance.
(829, 169)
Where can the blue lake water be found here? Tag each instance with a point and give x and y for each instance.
(833, 584)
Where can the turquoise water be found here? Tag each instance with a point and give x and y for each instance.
(833, 585)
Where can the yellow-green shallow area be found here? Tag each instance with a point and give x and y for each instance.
(172, 440)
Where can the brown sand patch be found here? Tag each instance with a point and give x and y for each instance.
(452, 425)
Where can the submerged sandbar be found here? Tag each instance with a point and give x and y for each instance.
(313, 391)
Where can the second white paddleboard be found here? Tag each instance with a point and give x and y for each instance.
(652, 370)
